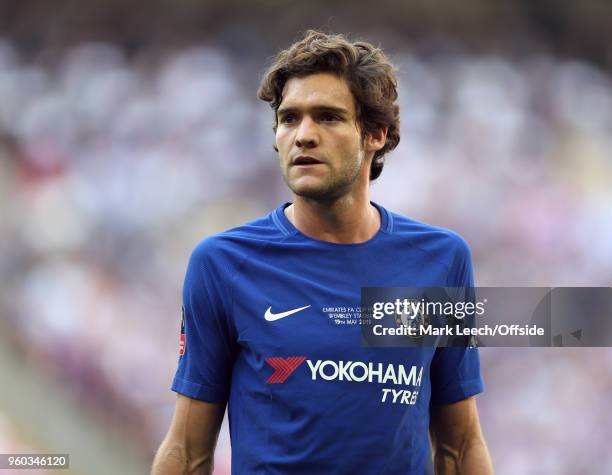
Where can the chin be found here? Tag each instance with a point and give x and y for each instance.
(306, 184)
(309, 191)
(318, 193)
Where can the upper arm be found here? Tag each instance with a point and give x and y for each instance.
(192, 437)
(203, 376)
(205, 368)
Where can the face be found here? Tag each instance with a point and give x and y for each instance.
(322, 155)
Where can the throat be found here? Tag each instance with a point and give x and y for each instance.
(340, 225)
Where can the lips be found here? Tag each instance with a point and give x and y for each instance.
(306, 160)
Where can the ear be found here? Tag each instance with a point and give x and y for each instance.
(376, 139)
(274, 127)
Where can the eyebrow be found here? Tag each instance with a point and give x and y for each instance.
(319, 108)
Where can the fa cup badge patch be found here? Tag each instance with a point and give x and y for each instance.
(182, 344)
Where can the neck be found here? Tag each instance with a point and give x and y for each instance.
(347, 220)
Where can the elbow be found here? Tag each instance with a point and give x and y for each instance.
(175, 459)
(475, 458)
(469, 457)
(169, 459)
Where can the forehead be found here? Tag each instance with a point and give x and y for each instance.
(315, 90)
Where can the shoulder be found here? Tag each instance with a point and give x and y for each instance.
(432, 239)
(233, 245)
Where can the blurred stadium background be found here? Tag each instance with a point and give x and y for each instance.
(129, 131)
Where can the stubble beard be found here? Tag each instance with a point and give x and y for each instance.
(336, 186)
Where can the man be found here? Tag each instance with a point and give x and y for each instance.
(268, 305)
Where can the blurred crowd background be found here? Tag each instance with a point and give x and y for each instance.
(129, 132)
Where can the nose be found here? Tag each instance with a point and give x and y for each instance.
(307, 135)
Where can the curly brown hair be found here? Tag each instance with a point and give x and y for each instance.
(367, 70)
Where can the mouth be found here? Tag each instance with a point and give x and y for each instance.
(305, 161)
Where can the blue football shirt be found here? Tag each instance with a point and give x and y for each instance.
(272, 328)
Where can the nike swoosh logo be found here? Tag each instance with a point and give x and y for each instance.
(271, 317)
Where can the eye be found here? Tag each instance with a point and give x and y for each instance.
(329, 117)
(287, 119)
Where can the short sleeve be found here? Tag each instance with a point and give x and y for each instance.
(205, 367)
(455, 374)
(455, 371)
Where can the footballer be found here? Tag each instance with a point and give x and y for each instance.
(261, 302)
